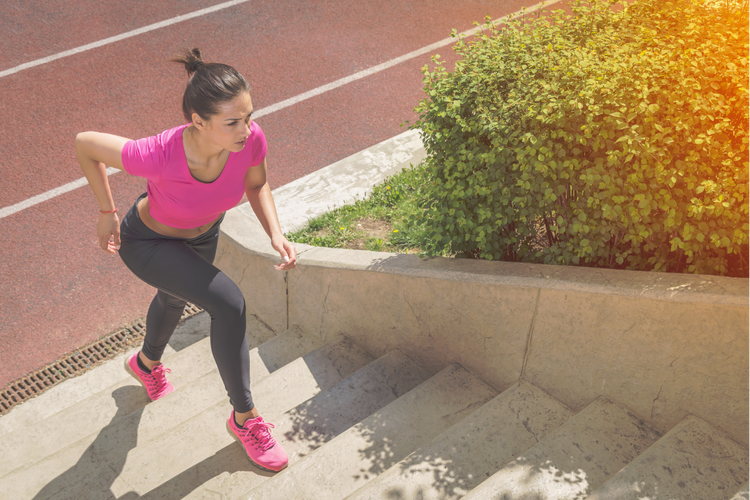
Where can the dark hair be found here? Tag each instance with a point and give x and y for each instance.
(210, 84)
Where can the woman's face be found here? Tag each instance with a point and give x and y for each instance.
(230, 127)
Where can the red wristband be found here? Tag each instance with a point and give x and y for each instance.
(110, 212)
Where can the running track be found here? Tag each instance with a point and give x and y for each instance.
(59, 291)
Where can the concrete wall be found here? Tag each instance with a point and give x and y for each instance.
(662, 345)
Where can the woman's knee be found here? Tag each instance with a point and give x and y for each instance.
(226, 299)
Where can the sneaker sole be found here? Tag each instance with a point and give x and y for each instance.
(234, 436)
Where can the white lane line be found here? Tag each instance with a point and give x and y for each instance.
(4, 212)
(123, 36)
(393, 62)
(35, 200)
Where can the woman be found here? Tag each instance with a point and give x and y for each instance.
(195, 172)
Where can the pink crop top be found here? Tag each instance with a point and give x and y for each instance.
(175, 197)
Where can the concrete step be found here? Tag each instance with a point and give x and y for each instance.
(742, 494)
(25, 446)
(307, 427)
(462, 457)
(574, 460)
(74, 390)
(381, 440)
(126, 398)
(279, 351)
(136, 453)
(693, 460)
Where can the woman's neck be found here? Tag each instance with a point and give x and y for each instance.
(202, 151)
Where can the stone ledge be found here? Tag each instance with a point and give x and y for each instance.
(244, 229)
(662, 345)
(342, 182)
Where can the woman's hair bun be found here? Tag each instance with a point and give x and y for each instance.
(208, 88)
(191, 58)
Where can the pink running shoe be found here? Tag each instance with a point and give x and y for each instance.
(261, 448)
(156, 382)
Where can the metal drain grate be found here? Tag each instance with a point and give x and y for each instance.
(78, 362)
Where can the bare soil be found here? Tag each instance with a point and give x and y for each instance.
(371, 229)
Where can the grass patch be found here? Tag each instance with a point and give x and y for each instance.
(382, 222)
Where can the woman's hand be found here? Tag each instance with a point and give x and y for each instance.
(286, 250)
(94, 150)
(259, 195)
(108, 231)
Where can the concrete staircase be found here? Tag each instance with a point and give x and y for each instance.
(355, 427)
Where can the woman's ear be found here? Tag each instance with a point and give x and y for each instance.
(199, 122)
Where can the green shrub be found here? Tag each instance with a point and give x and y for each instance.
(612, 137)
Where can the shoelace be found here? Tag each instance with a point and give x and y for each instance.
(259, 430)
(159, 376)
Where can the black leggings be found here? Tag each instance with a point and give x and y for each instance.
(182, 270)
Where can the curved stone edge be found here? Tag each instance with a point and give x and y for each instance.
(343, 182)
(662, 345)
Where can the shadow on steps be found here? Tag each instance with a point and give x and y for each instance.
(228, 460)
(91, 477)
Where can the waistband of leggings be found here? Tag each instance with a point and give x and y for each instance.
(133, 212)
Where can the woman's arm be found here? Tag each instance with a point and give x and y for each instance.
(96, 150)
(259, 195)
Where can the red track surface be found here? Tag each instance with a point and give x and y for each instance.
(59, 290)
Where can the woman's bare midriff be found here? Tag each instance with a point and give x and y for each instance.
(163, 229)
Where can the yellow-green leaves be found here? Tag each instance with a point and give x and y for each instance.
(612, 137)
